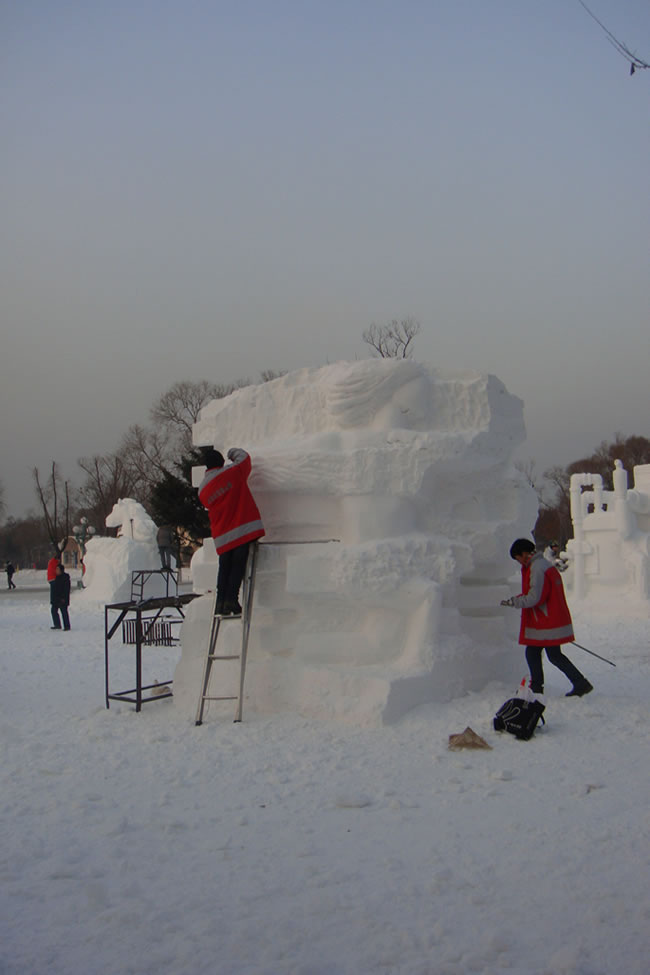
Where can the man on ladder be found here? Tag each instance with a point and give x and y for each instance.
(235, 525)
(234, 521)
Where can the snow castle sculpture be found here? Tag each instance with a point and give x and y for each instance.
(610, 550)
(390, 502)
(110, 561)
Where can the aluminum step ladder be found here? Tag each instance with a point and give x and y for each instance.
(216, 619)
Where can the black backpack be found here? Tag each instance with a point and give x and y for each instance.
(519, 717)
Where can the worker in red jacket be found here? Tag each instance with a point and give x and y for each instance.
(545, 618)
(234, 521)
(52, 565)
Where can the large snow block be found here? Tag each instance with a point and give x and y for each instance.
(390, 502)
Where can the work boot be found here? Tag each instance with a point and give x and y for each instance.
(231, 609)
(580, 689)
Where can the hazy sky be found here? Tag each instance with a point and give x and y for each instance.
(195, 189)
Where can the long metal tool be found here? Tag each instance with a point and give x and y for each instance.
(592, 653)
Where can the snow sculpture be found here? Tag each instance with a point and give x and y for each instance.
(131, 521)
(110, 561)
(390, 502)
(610, 549)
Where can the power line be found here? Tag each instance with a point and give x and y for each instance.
(632, 59)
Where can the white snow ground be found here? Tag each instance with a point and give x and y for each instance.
(138, 843)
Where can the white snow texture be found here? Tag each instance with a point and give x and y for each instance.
(390, 501)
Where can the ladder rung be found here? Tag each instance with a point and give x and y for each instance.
(215, 626)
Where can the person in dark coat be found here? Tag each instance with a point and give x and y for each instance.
(165, 540)
(9, 569)
(60, 598)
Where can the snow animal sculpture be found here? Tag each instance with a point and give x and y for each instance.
(610, 550)
(131, 521)
(390, 501)
(110, 562)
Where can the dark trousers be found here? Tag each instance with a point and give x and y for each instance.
(232, 566)
(557, 658)
(64, 616)
(165, 552)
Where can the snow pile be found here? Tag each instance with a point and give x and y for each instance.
(390, 502)
(110, 562)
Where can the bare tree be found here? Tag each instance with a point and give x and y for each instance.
(25, 541)
(3, 504)
(554, 519)
(54, 498)
(147, 455)
(631, 58)
(392, 341)
(268, 375)
(630, 450)
(178, 409)
(108, 479)
(527, 469)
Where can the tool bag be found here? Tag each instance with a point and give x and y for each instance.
(519, 717)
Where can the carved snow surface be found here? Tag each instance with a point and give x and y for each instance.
(390, 501)
(110, 561)
(610, 548)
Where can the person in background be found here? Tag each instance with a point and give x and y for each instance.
(165, 540)
(545, 618)
(60, 598)
(552, 555)
(51, 566)
(10, 569)
(234, 521)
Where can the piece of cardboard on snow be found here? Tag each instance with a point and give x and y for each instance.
(467, 739)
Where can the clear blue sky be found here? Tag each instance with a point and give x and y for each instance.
(204, 190)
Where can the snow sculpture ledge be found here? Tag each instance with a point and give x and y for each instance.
(390, 503)
(610, 550)
(110, 561)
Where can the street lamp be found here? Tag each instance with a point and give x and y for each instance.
(82, 532)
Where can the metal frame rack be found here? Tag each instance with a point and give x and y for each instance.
(147, 622)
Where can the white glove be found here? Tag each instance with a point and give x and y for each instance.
(236, 455)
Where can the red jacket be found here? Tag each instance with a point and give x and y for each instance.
(234, 516)
(545, 616)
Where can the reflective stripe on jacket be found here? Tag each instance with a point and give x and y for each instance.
(234, 516)
(545, 616)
